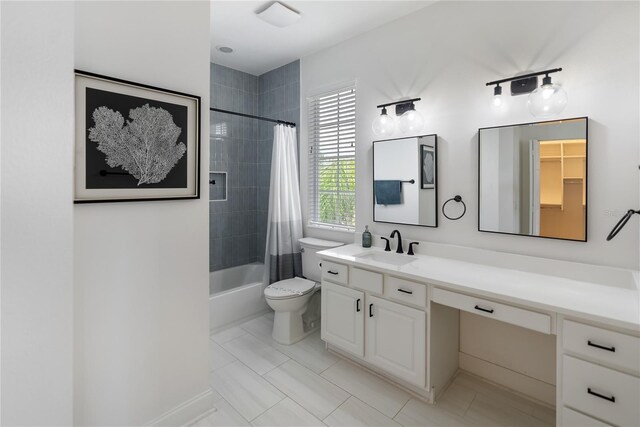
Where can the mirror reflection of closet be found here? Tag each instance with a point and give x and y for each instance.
(533, 179)
(405, 181)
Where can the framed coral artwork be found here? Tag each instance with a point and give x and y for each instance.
(134, 142)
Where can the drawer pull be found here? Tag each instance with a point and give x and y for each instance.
(405, 292)
(601, 347)
(601, 396)
(486, 310)
(370, 310)
(335, 273)
(358, 305)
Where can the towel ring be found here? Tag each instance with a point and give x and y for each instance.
(458, 199)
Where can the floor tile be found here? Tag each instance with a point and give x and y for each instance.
(495, 393)
(287, 413)
(228, 334)
(367, 387)
(486, 411)
(545, 414)
(224, 415)
(215, 396)
(309, 352)
(354, 412)
(256, 354)
(218, 357)
(246, 391)
(260, 327)
(314, 393)
(420, 414)
(456, 399)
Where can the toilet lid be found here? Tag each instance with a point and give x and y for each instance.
(289, 288)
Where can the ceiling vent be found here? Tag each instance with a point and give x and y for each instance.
(279, 15)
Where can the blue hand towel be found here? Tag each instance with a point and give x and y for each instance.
(388, 192)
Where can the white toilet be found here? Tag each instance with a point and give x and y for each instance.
(290, 298)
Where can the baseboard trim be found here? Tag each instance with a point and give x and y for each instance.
(532, 388)
(245, 319)
(186, 411)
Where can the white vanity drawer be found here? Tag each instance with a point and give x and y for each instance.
(366, 280)
(571, 418)
(605, 346)
(334, 272)
(506, 313)
(601, 392)
(405, 291)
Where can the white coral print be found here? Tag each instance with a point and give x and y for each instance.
(145, 146)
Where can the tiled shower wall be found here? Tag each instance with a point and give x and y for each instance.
(238, 225)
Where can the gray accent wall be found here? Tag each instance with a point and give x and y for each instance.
(242, 147)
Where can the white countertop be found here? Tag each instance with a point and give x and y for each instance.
(612, 305)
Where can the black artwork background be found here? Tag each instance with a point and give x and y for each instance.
(96, 160)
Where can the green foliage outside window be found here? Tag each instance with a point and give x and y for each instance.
(336, 192)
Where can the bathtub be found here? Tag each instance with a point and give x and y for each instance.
(235, 294)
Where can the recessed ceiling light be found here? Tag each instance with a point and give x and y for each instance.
(224, 49)
(279, 15)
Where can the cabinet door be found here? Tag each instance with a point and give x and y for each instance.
(342, 321)
(396, 339)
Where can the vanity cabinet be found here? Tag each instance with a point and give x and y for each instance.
(342, 320)
(396, 339)
(599, 376)
(358, 318)
(403, 322)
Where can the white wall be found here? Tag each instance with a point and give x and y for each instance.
(446, 52)
(141, 269)
(36, 213)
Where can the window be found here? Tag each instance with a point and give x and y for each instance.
(332, 159)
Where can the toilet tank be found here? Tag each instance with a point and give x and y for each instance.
(310, 261)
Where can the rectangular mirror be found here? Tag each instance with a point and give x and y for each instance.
(532, 179)
(405, 181)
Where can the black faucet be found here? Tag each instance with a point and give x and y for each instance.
(386, 247)
(393, 233)
(410, 251)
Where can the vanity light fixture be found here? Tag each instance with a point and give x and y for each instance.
(547, 100)
(411, 121)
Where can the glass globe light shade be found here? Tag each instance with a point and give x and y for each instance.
(383, 125)
(411, 121)
(547, 100)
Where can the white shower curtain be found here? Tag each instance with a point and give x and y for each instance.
(283, 259)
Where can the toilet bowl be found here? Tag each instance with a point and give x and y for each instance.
(290, 298)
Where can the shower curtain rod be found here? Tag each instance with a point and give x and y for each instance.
(266, 119)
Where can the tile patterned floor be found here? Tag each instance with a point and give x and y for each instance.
(258, 382)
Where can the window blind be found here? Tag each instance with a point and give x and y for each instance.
(332, 159)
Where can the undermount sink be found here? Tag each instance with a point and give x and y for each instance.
(386, 258)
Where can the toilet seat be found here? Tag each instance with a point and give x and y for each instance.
(289, 288)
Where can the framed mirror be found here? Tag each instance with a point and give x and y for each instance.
(532, 179)
(405, 181)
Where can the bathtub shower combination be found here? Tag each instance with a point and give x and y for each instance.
(236, 293)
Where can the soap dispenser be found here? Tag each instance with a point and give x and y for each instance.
(366, 237)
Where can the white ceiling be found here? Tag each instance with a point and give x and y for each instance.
(260, 47)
